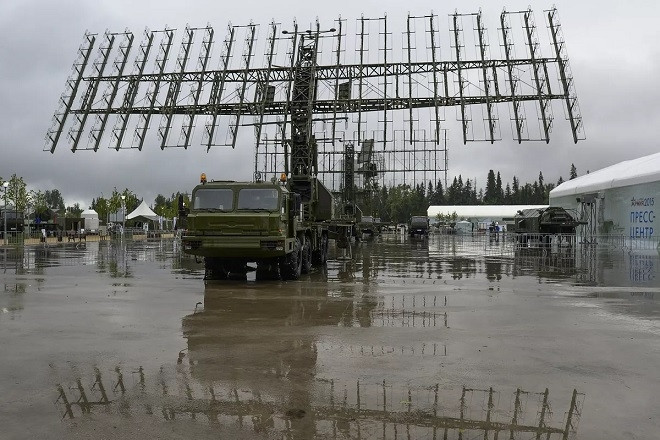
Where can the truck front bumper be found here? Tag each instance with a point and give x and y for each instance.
(236, 246)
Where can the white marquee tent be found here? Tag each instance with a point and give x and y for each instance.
(619, 199)
(91, 219)
(627, 173)
(480, 211)
(144, 214)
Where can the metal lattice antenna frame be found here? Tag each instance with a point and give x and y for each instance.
(306, 104)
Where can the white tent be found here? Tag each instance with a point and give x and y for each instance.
(618, 199)
(143, 211)
(630, 172)
(490, 212)
(91, 219)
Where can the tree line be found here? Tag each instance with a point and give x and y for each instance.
(49, 204)
(398, 203)
(391, 204)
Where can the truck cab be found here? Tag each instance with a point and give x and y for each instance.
(231, 224)
(542, 224)
(419, 225)
(240, 220)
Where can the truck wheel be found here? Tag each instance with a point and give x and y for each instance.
(267, 271)
(214, 269)
(306, 257)
(291, 263)
(237, 270)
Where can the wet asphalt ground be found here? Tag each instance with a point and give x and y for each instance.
(420, 339)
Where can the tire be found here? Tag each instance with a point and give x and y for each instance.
(214, 269)
(291, 263)
(237, 270)
(267, 271)
(306, 256)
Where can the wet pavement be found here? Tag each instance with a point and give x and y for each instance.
(413, 339)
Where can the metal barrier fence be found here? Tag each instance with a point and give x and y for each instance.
(24, 238)
(13, 238)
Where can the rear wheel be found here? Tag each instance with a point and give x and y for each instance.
(267, 271)
(291, 263)
(214, 269)
(237, 270)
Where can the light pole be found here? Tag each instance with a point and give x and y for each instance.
(123, 216)
(4, 214)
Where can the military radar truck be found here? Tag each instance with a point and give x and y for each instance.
(542, 224)
(232, 224)
(419, 225)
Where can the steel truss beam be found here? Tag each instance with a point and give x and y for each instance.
(328, 106)
(349, 72)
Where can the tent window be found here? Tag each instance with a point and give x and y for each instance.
(214, 198)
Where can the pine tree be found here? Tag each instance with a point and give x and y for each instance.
(451, 192)
(507, 195)
(540, 190)
(490, 196)
(467, 193)
(560, 181)
(515, 191)
(439, 195)
(429, 193)
(498, 189)
(573, 173)
(534, 196)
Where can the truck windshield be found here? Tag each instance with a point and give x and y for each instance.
(214, 198)
(266, 199)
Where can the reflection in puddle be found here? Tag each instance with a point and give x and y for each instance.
(329, 410)
(114, 257)
(388, 258)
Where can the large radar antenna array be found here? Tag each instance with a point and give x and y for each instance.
(305, 94)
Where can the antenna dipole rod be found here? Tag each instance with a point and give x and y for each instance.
(59, 119)
(489, 104)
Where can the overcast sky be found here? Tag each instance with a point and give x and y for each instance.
(613, 48)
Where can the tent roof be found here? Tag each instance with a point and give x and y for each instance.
(480, 211)
(143, 211)
(630, 172)
(89, 212)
